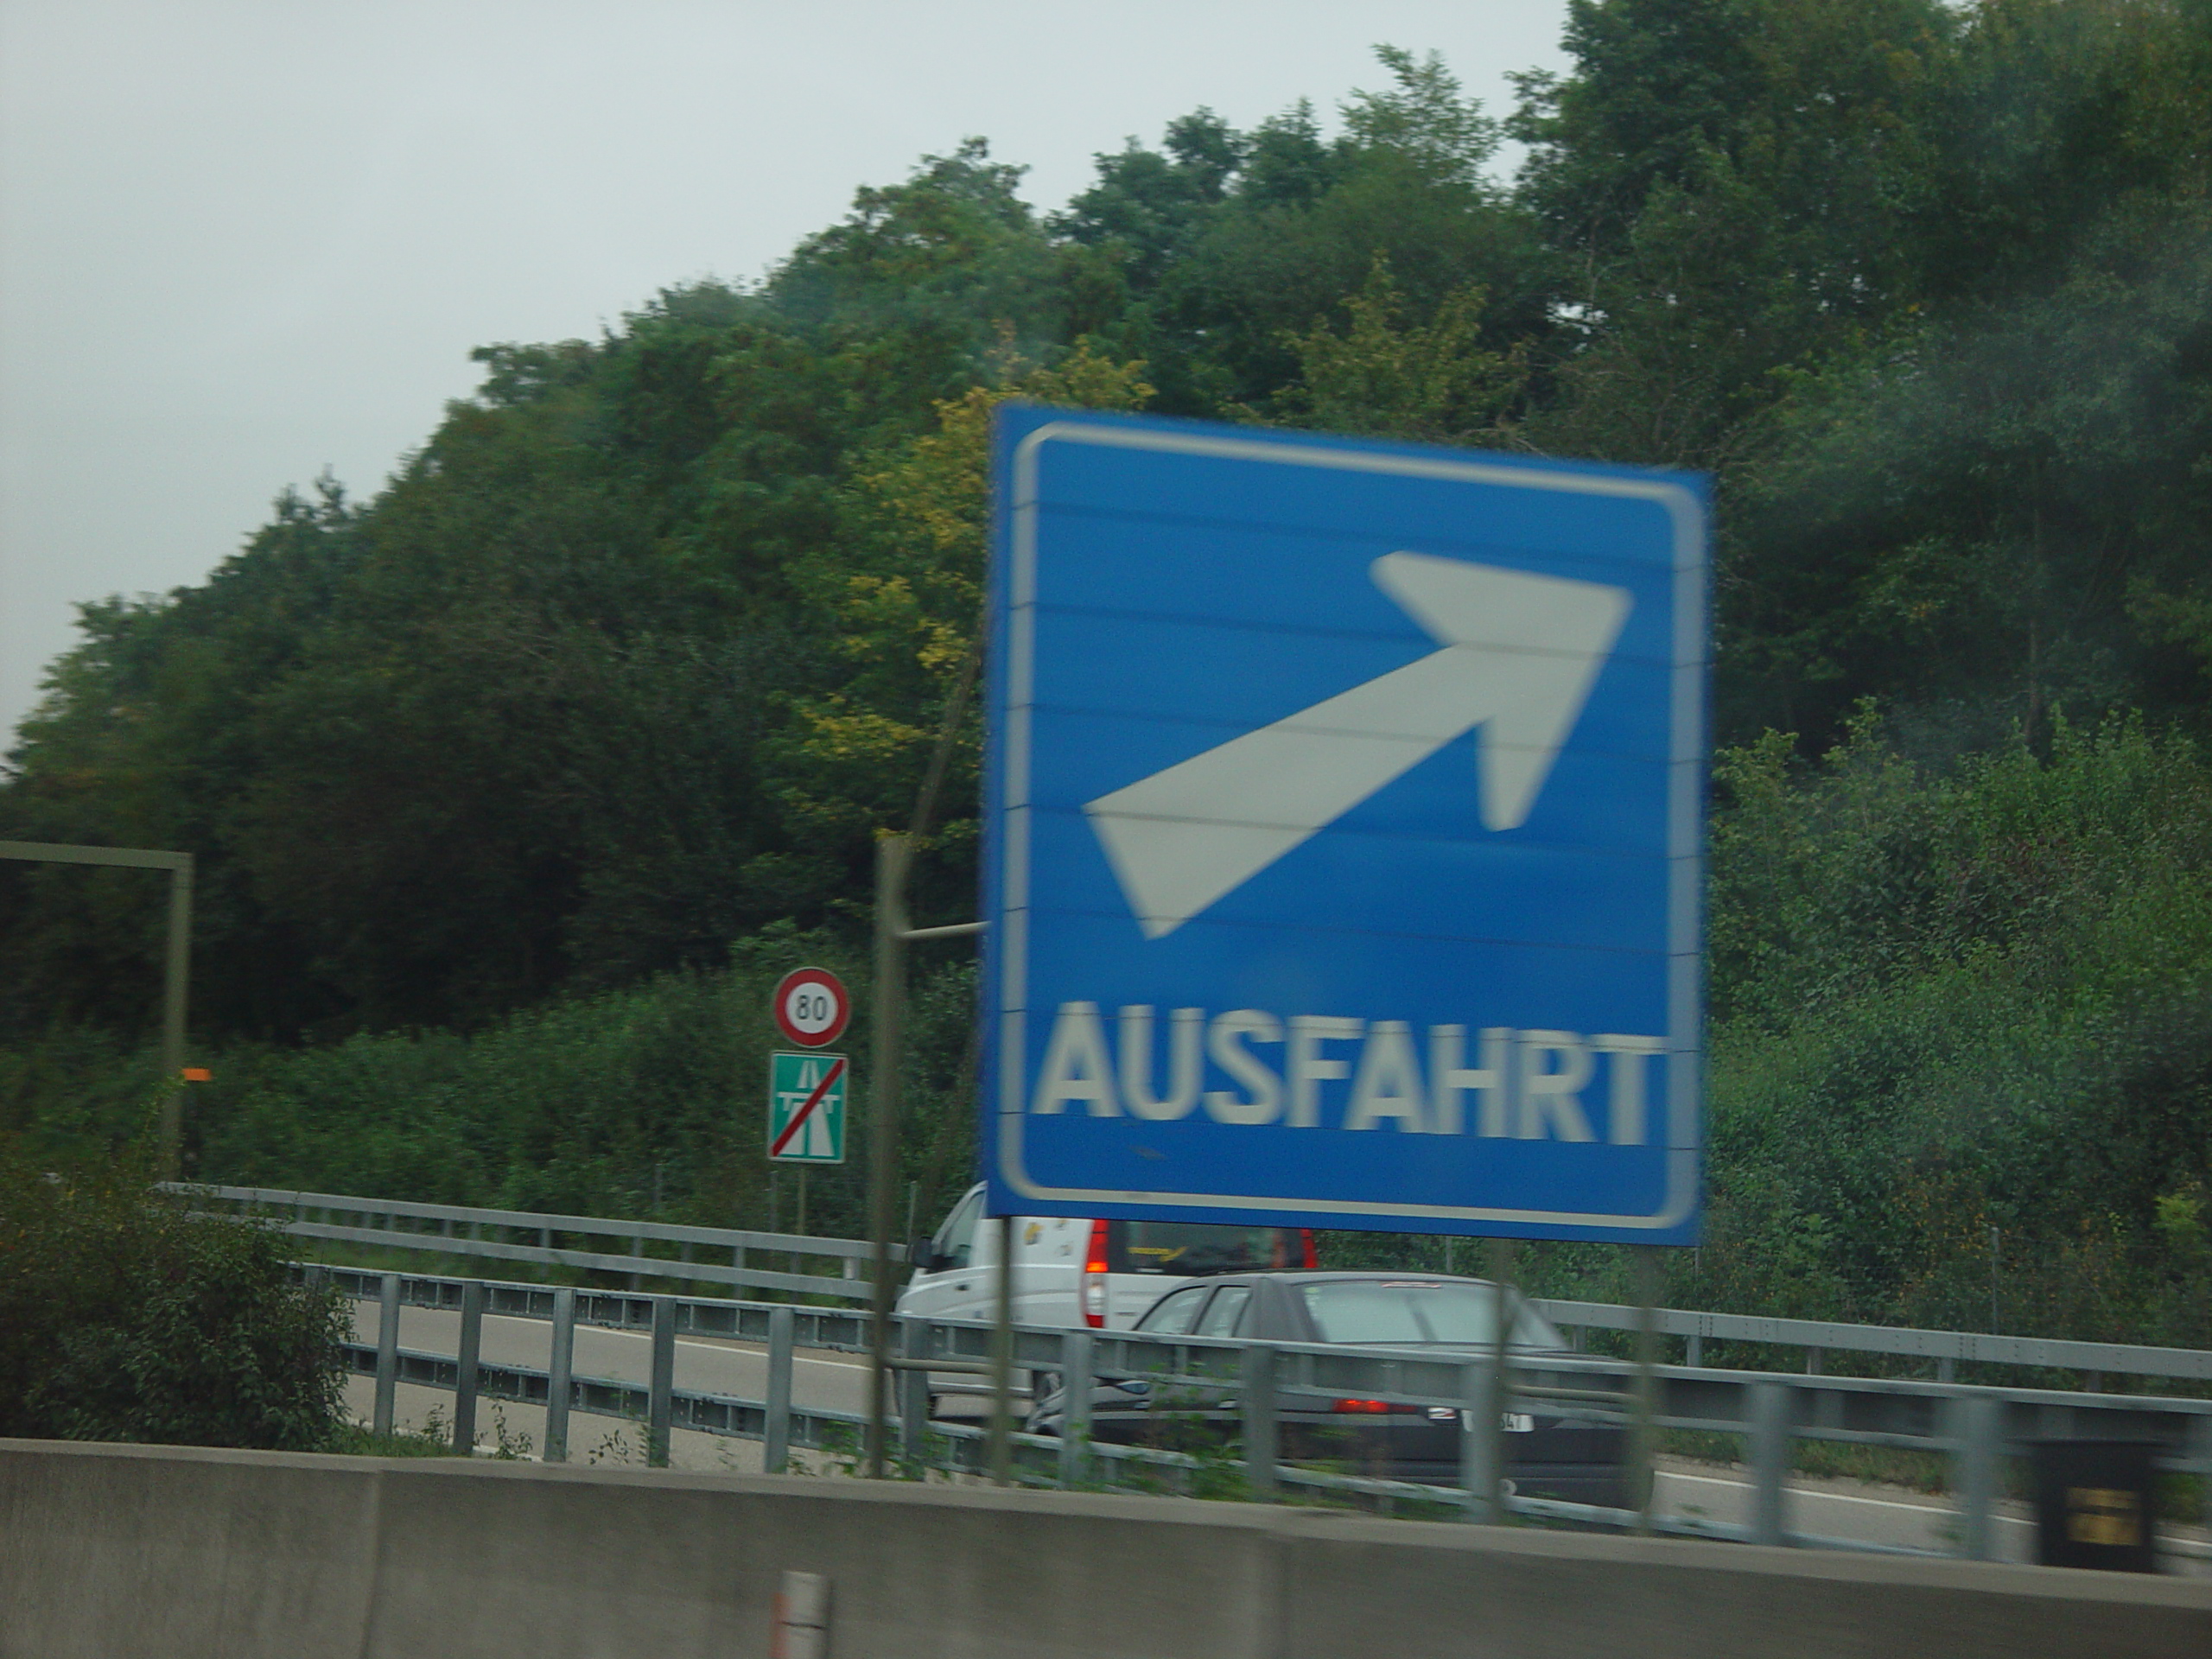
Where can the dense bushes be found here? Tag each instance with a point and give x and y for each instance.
(123, 1318)
(1962, 1051)
(645, 1101)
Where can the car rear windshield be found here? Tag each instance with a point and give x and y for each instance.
(1417, 1310)
(1189, 1247)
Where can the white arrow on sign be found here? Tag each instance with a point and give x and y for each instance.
(1520, 654)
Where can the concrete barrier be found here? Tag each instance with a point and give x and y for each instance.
(114, 1552)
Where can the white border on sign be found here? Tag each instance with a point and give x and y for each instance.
(1684, 788)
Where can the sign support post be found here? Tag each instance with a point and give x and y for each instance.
(892, 856)
(1645, 1433)
(1501, 1384)
(1001, 1447)
(176, 966)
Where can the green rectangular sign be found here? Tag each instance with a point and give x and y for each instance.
(806, 1108)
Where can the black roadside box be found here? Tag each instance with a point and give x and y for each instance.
(2094, 1505)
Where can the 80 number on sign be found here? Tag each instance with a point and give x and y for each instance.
(812, 1007)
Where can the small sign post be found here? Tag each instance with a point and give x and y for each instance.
(806, 1092)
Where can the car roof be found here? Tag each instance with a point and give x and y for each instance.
(1311, 1276)
(1272, 1291)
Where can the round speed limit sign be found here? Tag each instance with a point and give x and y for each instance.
(812, 1007)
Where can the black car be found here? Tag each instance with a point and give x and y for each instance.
(1545, 1456)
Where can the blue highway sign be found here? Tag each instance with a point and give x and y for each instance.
(1344, 823)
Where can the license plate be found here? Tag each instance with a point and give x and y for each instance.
(1513, 1423)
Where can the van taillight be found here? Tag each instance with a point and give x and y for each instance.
(1365, 1408)
(1313, 1256)
(1094, 1277)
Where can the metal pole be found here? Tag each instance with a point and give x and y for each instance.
(1002, 1446)
(1479, 1447)
(1647, 1385)
(1261, 1451)
(387, 1353)
(1975, 1429)
(472, 1345)
(1492, 1422)
(176, 976)
(776, 1433)
(2201, 1437)
(560, 1367)
(1769, 1456)
(1076, 1382)
(914, 1396)
(658, 1404)
(891, 858)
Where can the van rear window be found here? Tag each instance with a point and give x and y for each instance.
(1187, 1248)
(1411, 1312)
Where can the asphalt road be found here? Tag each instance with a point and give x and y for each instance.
(1833, 1509)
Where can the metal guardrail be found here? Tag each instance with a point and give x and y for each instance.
(1974, 1427)
(1947, 1348)
(393, 1223)
(311, 1214)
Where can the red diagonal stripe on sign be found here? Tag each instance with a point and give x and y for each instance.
(812, 1100)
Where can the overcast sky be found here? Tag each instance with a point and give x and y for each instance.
(244, 241)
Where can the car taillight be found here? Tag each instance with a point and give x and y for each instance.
(1313, 1256)
(1094, 1277)
(1369, 1407)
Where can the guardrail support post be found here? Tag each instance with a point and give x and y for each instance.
(1768, 1452)
(1974, 1431)
(776, 1434)
(1479, 1438)
(472, 1348)
(658, 1405)
(1260, 1448)
(2200, 1444)
(560, 1364)
(387, 1353)
(914, 1396)
(1077, 1377)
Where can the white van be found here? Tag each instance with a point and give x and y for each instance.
(1102, 1274)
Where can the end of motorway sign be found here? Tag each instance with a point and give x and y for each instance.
(1344, 827)
(806, 1108)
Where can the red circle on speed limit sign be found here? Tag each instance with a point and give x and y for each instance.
(811, 1006)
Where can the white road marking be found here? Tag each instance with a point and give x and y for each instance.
(722, 1348)
(1931, 1508)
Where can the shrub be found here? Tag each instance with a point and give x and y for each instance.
(123, 1318)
